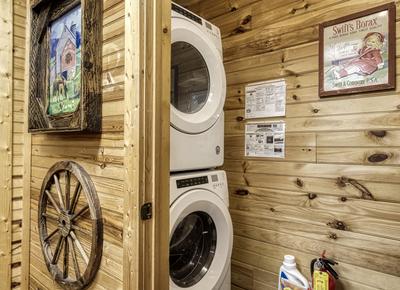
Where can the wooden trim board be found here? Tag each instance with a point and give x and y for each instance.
(158, 114)
(131, 136)
(26, 198)
(6, 127)
(146, 127)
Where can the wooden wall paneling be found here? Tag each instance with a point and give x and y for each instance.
(386, 192)
(102, 156)
(284, 26)
(210, 9)
(294, 204)
(147, 81)
(6, 130)
(19, 55)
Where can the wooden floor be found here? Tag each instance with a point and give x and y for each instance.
(294, 204)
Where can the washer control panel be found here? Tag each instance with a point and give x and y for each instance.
(216, 182)
(187, 182)
(211, 180)
(199, 180)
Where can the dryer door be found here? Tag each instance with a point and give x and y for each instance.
(198, 82)
(200, 241)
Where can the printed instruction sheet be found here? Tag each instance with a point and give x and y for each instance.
(266, 99)
(265, 139)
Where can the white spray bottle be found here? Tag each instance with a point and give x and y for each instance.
(290, 277)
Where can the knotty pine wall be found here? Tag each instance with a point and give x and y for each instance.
(101, 155)
(19, 21)
(292, 201)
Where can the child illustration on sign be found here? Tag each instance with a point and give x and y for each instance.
(369, 58)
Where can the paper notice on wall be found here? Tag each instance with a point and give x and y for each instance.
(266, 99)
(265, 139)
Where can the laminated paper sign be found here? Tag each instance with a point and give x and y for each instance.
(265, 139)
(266, 99)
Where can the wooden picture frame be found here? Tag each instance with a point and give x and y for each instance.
(357, 53)
(65, 66)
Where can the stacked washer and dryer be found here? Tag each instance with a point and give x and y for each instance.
(200, 225)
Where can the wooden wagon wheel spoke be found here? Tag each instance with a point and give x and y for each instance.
(80, 248)
(53, 202)
(63, 212)
(75, 197)
(74, 258)
(59, 191)
(67, 190)
(66, 258)
(81, 212)
(57, 251)
(51, 235)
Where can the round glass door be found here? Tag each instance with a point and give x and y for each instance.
(192, 249)
(190, 79)
(198, 81)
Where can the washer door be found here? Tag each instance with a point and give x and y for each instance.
(200, 241)
(198, 81)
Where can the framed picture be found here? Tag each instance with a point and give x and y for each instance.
(65, 66)
(357, 53)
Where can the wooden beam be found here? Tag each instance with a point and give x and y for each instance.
(26, 198)
(133, 88)
(157, 109)
(6, 127)
(146, 127)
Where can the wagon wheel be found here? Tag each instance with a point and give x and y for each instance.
(70, 225)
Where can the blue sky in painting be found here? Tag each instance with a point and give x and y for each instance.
(56, 27)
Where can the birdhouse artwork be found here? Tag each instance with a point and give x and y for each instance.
(65, 66)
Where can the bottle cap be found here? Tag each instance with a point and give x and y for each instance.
(289, 260)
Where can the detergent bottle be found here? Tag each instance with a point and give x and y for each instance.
(291, 278)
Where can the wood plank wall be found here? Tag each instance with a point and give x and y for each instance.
(11, 269)
(293, 203)
(6, 138)
(101, 155)
(19, 24)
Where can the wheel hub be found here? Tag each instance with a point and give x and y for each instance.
(65, 224)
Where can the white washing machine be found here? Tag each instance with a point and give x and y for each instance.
(198, 88)
(201, 232)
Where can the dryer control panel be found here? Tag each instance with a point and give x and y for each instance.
(186, 13)
(187, 182)
(212, 30)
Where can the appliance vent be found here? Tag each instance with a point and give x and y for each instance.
(186, 13)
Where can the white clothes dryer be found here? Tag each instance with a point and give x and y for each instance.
(198, 89)
(201, 233)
